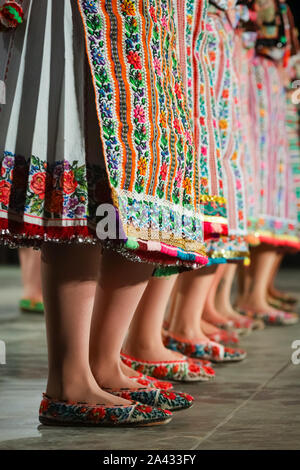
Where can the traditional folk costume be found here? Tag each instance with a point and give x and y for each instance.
(206, 44)
(95, 112)
(293, 116)
(270, 220)
(223, 18)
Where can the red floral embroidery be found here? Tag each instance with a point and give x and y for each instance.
(134, 59)
(4, 192)
(38, 184)
(68, 182)
(160, 371)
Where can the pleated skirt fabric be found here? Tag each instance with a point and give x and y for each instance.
(198, 82)
(223, 51)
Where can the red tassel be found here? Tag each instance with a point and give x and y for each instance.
(11, 15)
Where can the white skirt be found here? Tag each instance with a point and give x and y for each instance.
(70, 85)
(49, 133)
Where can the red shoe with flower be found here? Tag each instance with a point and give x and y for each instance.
(183, 370)
(210, 350)
(274, 318)
(63, 413)
(224, 337)
(148, 381)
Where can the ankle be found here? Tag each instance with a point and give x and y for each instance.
(69, 388)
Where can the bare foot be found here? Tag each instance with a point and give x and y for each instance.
(128, 371)
(215, 318)
(108, 377)
(258, 305)
(86, 391)
(208, 328)
(153, 353)
(231, 314)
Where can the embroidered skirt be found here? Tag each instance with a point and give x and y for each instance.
(222, 53)
(293, 132)
(198, 82)
(271, 220)
(95, 113)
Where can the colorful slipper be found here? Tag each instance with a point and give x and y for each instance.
(270, 318)
(279, 305)
(224, 337)
(183, 370)
(31, 306)
(148, 381)
(62, 413)
(165, 400)
(286, 298)
(243, 325)
(215, 352)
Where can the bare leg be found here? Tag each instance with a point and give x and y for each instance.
(260, 269)
(223, 293)
(244, 283)
(68, 278)
(30, 261)
(120, 287)
(210, 312)
(144, 340)
(272, 291)
(192, 290)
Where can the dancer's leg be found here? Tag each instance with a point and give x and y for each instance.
(69, 280)
(210, 312)
(192, 290)
(223, 294)
(30, 261)
(120, 287)
(144, 340)
(260, 269)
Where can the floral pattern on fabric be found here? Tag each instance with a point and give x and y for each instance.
(195, 63)
(182, 371)
(54, 411)
(148, 381)
(273, 318)
(144, 122)
(33, 188)
(165, 400)
(212, 351)
(222, 42)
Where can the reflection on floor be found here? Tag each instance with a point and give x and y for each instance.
(250, 405)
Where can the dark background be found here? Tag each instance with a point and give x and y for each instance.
(9, 256)
(295, 7)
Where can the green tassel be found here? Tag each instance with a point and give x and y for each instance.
(13, 12)
(132, 244)
(166, 271)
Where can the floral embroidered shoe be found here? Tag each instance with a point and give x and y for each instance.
(148, 381)
(62, 413)
(273, 318)
(165, 400)
(243, 325)
(224, 337)
(215, 352)
(183, 370)
(279, 305)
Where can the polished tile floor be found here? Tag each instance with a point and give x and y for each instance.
(250, 405)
